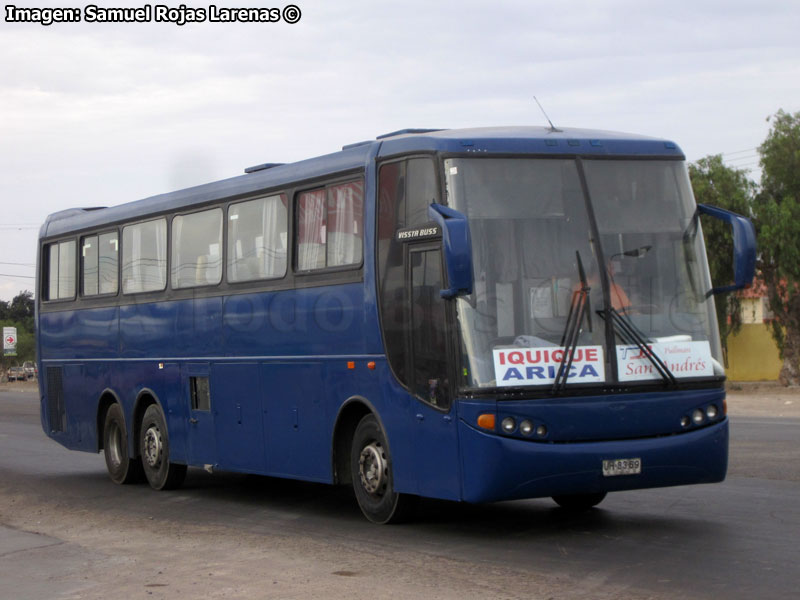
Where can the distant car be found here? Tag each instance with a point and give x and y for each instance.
(17, 374)
(29, 368)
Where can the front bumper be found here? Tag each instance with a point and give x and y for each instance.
(503, 468)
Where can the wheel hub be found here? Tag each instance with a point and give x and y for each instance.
(373, 468)
(152, 447)
(114, 446)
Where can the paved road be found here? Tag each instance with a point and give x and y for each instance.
(66, 529)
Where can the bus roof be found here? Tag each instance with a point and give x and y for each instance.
(540, 141)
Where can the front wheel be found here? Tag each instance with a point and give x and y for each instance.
(579, 502)
(373, 482)
(154, 445)
(121, 467)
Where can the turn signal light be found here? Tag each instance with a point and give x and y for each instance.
(486, 421)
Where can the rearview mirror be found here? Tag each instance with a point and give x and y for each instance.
(744, 247)
(457, 249)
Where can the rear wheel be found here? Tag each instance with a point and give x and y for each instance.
(154, 445)
(579, 502)
(373, 481)
(121, 467)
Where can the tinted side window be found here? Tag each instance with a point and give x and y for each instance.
(144, 257)
(428, 333)
(393, 292)
(197, 249)
(405, 190)
(421, 191)
(61, 270)
(257, 232)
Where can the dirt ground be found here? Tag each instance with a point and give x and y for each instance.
(124, 556)
(763, 400)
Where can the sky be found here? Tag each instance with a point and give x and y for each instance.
(97, 114)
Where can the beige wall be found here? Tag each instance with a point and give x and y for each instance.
(752, 310)
(753, 355)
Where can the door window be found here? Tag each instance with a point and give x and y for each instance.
(428, 329)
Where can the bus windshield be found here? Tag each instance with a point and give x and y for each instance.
(615, 242)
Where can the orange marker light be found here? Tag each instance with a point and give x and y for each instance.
(351, 364)
(371, 365)
(486, 421)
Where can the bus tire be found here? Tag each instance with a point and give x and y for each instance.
(373, 481)
(121, 467)
(154, 445)
(579, 502)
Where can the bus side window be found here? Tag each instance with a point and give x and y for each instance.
(89, 266)
(99, 264)
(144, 257)
(257, 231)
(312, 230)
(330, 226)
(197, 249)
(345, 228)
(61, 270)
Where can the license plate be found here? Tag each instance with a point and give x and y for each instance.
(622, 466)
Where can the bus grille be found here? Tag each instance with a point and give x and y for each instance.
(55, 399)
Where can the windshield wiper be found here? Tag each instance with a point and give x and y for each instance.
(579, 306)
(631, 336)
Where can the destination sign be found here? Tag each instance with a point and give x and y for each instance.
(683, 359)
(537, 366)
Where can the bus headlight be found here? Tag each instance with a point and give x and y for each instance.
(711, 411)
(698, 416)
(526, 428)
(509, 424)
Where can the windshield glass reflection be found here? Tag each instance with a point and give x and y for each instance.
(534, 251)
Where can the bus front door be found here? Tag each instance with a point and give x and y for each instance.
(432, 411)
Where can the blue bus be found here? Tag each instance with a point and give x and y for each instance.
(472, 315)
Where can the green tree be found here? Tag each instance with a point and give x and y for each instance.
(777, 210)
(21, 310)
(716, 184)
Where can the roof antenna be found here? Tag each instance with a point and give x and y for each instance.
(552, 127)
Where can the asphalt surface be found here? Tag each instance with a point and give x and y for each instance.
(737, 539)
